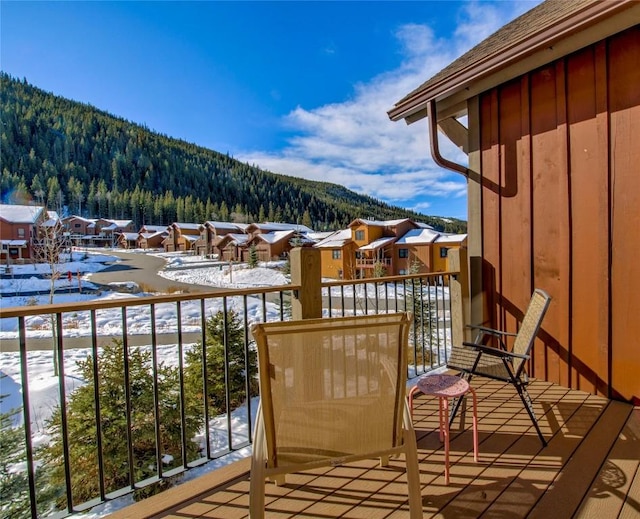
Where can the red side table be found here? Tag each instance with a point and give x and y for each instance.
(446, 387)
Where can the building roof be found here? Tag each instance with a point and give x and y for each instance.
(236, 239)
(147, 235)
(13, 243)
(154, 228)
(376, 244)
(451, 238)
(226, 225)
(418, 236)
(335, 240)
(130, 236)
(14, 213)
(275, 226)
(378, 223)
(187, 226)
(76, 217)
(536, 30)
(274, 237)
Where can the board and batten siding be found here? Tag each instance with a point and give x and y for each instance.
(560, 210)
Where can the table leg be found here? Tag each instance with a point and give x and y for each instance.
(445, 430)
(475, 424)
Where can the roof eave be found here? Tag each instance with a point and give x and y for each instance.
(413, 108)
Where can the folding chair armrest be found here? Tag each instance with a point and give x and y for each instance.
(495, 351)
(491, 331)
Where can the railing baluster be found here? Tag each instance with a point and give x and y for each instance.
(64, 428)
(96, 396)
(248, 374)
(205, 379)
(156, 395)
(183, 414)
(127, 398)
(225, 342)
(26, 416)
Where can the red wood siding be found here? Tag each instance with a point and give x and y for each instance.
(561, 211)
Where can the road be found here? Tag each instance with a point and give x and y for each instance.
(142, 269)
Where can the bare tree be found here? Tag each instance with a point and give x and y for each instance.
(49, 247)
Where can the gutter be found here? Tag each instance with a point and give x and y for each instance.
(435, 148)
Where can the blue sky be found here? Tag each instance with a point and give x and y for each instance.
(299, 88)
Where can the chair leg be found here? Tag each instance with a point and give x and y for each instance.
(257, 479)
(528, 405)
(413, 471)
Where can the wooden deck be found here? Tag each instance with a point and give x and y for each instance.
(590, 469)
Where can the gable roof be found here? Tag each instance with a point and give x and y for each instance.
(276, 226)
(335, 240)
(274, 237)
(535, 31)
(238, 227)
(20, 213)
(376, 244)
(418, 236)
(378, 223)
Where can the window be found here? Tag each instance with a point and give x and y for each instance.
(77, 225)
(403, 253)
(402, 272)
(444, 251)
(336, 254)
(359, 235)
(20, 233)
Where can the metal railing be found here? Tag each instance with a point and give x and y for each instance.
(155, 413)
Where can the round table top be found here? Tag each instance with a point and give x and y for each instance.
(449, 386)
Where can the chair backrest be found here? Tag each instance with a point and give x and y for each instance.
(332, 388)
(530, 325)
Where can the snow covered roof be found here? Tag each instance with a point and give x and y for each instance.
(147, 235)
(275, 237)
(451, 238)
(76, 217)
(153, 228)
(320, 235)
(226, 225)
(417, 236)
(236, 239)
(130, 236)
(13, 243)
(20, 213)
(378, 223)
(187, 226)
(336, 240)
(274, 226)
(376, 244)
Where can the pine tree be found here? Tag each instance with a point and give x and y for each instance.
(81, 413)
(242, 364)
(252, 261)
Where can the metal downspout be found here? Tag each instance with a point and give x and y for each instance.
(435, 148)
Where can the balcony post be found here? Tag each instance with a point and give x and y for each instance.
(305, 271)
(459, 293)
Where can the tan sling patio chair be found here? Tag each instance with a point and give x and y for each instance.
(332, 391)
(476, 358)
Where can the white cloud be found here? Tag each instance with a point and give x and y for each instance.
(353, 143)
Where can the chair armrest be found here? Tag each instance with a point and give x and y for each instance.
(495, 351)
(491, 330)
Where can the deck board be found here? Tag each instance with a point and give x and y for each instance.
(590, 468)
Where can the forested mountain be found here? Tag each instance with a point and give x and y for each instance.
(74, 158)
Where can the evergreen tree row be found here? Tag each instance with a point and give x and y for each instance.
(77, 159)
